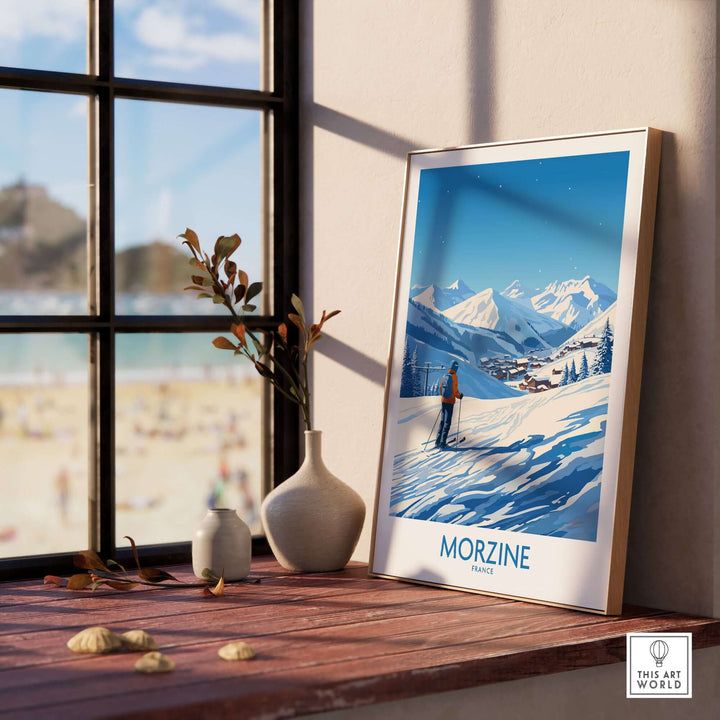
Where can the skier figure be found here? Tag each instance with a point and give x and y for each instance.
(448, 394)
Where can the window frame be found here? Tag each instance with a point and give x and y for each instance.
(280, 109)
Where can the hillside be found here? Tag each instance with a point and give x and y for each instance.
(43, 245)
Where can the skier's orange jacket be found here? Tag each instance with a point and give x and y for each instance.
(455, 391)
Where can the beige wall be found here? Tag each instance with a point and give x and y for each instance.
(382, 77)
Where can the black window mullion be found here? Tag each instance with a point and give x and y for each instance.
(103, 519)
(285, 190)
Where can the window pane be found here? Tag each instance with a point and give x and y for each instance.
(44, 34)
(43, 203)
(188, 436)
(181, 166)
(43, 444)
(186, 41)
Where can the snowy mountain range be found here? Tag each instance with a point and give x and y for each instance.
(572, 302)
(489, 309)
(456, 323)
(439, 298)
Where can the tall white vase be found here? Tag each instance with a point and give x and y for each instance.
(222, 544)
(313, 520)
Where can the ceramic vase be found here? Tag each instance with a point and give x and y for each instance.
(223, 544)
(313, 520)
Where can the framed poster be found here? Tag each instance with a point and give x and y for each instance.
(513, 381)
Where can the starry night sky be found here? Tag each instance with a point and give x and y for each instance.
(535, 221)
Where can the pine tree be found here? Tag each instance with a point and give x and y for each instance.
(584, 370)
(418, 387)
(406, 379)
(565, 379)
(572, 375)
(602, 363)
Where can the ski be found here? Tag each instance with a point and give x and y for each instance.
(449, 442)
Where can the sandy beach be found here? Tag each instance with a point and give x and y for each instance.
(182, 445)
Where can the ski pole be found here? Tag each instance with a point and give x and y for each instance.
(457, 432)
(437, 417)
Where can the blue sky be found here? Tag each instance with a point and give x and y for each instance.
(176, 165)
(535, 221)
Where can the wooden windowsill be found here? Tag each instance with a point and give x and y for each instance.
(323, 641)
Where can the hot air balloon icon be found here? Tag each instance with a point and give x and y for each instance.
(659, 650)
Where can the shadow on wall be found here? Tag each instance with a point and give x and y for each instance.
(479, 78)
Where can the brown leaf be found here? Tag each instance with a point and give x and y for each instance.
(119, 585)
(89, 560)
(155, 575)
(239, 292)
(223, 343)
(296, 320)
(79, 581)
(330, 314)
(313, 340)
(242, 278)
(217, 591)
(239, 332)
(191, 239)
(53, 580)
(134, 549)
(282, 331)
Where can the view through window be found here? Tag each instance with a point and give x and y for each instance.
(110, 389)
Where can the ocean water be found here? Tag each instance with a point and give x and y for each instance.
(55, 302)
(45, 358)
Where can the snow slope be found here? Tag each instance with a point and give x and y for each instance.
(595, 327)
(530, 464)
(472, 382)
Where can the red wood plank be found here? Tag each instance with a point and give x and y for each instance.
(323, 641)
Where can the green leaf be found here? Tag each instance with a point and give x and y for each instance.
(225, 247)
(298, 305)
(249, 308)
(253, 290)
(112, 563)
(218, 299)
(264, 370)
(223, 343)
(204, 295)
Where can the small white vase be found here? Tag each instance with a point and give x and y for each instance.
(313, 520)
(222, 544)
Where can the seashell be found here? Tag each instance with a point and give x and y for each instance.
(236, 651)
(154, 662)
(138, 640)
(94, 640)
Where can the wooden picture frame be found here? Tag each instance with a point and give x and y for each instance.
(523, 271)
